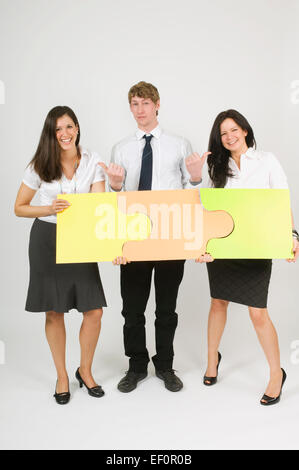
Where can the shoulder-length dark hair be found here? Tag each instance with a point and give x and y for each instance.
(218, 166)
(46, 161)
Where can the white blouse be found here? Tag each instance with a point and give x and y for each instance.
(87, 173)
(258, 170)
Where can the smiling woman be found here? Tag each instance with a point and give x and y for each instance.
(59, 143)
(60, 165)
(234, 162)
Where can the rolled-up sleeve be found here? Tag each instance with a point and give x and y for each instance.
(99, 174)
(31, 178)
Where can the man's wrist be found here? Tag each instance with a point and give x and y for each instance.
(195, 181)
(116, 188)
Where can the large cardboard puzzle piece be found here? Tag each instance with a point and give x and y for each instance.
(181, 227)
(92, 228)
(263, 223)
(178, 224)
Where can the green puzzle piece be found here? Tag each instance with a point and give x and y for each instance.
(263, 224)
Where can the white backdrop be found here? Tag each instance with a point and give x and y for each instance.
(204, 57)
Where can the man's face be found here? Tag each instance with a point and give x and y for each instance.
(144, 111)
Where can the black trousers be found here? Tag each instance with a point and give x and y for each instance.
(135, 289)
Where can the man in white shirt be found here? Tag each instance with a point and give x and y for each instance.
(151, 159)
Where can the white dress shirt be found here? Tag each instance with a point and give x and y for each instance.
(169, 153)
(87, 173)
(258, 170)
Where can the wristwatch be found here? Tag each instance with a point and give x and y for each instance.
(295, 234)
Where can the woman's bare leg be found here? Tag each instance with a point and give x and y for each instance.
(56, 336)
(89, 335)
(269, 341)
(216, 325)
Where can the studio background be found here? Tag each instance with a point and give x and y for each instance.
(204, 57)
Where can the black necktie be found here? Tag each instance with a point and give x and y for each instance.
(145, 181)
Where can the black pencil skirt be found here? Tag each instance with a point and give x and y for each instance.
(244, 281)
(59, 287)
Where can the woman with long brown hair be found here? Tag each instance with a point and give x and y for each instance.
(234, 162)
(59, 166)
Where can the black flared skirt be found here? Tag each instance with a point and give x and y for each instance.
(59, 287)
(244, 281)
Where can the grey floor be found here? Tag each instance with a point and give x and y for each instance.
(226, 416)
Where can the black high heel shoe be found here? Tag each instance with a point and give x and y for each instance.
(62, 398)
(96, 391)
(212, 380)
(272, 400)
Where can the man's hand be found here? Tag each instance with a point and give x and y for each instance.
(194, 164)
(120, 260)
(206, 258)
(115, 173)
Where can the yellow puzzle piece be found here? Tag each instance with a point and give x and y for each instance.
(93, 229)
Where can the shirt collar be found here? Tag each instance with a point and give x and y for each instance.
(250, 153)
(83, 151)
(155, 132)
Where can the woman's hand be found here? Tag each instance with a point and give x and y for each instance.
(115, 173)
(58, 205)
(295, 251)
(206, 258)
(23, 206)
(194, 164)
(120, 260)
